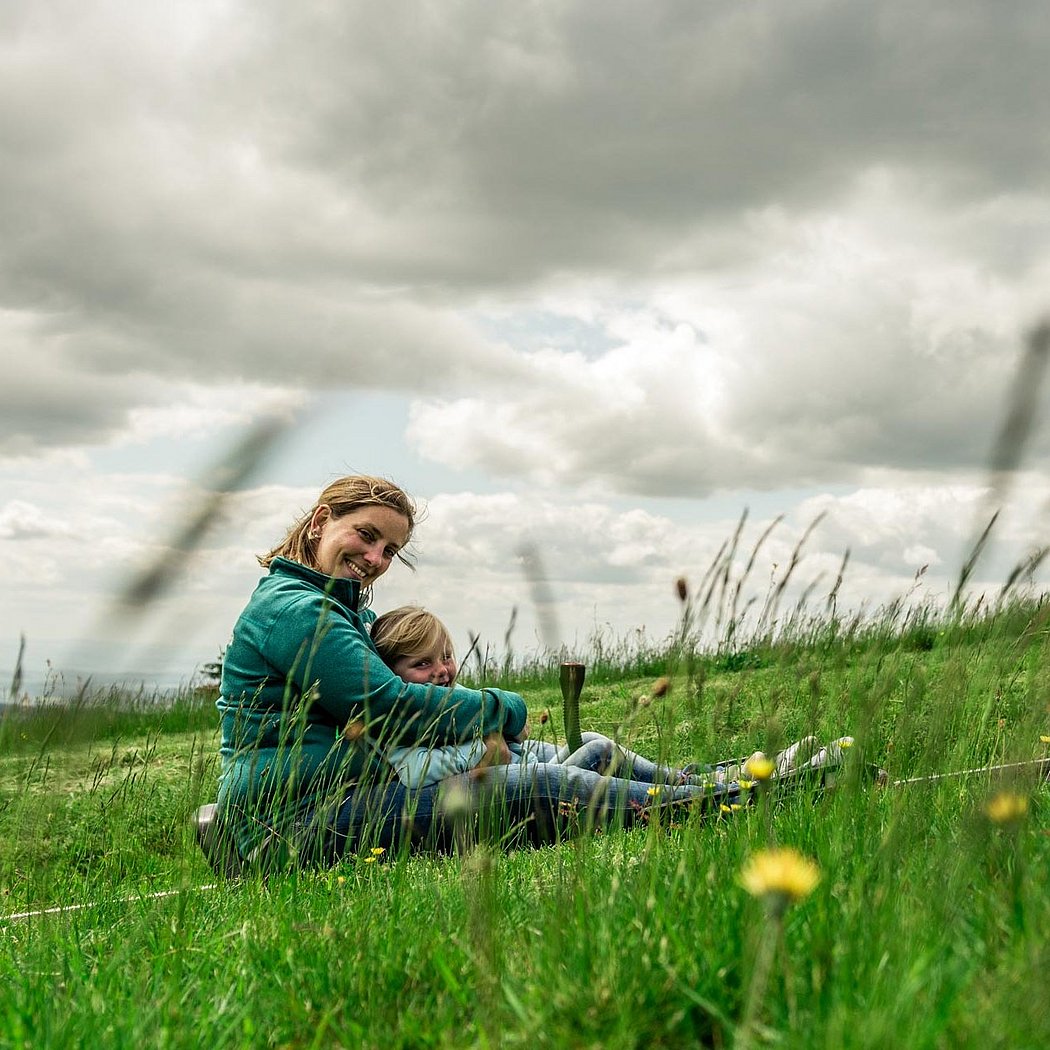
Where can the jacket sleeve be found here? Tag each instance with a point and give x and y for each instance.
(419, 766)
(320, 650)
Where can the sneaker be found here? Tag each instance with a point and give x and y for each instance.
(798, 754)
(832, 756)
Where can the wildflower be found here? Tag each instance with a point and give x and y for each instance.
(378, 851)
(1044, 739)
(845, 743)
(1006, 808)
(681, 588)
(371, 860)
(723, 808)
(653, 791)
(759, 767)
(341, 880)
(745, 785)
(780, 877)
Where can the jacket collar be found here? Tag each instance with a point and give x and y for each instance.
(346, 592)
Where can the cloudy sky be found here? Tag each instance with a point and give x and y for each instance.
(591, 277)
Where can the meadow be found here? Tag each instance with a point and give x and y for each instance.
(925, 924)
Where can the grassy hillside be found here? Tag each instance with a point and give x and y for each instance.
(927, 927)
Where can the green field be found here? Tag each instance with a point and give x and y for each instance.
(929, 927)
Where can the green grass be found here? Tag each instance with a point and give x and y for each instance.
(928, 927)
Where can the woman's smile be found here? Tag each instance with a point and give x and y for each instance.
(359, 545)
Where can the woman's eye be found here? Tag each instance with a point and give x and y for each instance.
(389, 553)
(365, 535)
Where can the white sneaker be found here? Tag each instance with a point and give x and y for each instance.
(796, 755)
(832, 756)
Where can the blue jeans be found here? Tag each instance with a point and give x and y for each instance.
(603, 755)
(518, 804)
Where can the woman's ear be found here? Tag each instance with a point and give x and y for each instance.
(320, 516)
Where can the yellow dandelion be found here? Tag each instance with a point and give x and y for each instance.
(723, 808)
(341, 879)
(745, 785)
(1044, 739)
(758, 767)
(653, 791)
(1006, 808)
(734, 806)
(378, 851)
(845, 743)
(779, 876)
(371, 860)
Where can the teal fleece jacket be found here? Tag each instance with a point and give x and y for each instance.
(301, 666)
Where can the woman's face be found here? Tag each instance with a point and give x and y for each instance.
(359, 545)
(435, 667)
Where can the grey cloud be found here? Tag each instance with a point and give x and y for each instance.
(308, 194)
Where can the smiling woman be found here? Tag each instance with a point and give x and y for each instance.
(301, 666)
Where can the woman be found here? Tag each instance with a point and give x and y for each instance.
(300, 667)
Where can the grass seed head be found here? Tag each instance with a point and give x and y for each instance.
(661, 687)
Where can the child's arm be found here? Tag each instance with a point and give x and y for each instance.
(420, 766)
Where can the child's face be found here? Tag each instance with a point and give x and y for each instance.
(435, 666)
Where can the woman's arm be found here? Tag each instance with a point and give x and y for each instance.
(318, 646)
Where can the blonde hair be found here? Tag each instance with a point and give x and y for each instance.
(341, 497)
(408, 630)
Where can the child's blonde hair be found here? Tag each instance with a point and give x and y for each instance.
(408, 630)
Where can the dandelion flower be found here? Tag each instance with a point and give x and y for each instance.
(745, 785)
(1006, 808)
(780, 877)
(378, 851)
(723, 808)
(759, 767)
(653, 791)
(371, 860)
(1044, 739)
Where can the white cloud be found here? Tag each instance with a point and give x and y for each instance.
(856, 345)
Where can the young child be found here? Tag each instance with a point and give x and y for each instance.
(416, 646)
